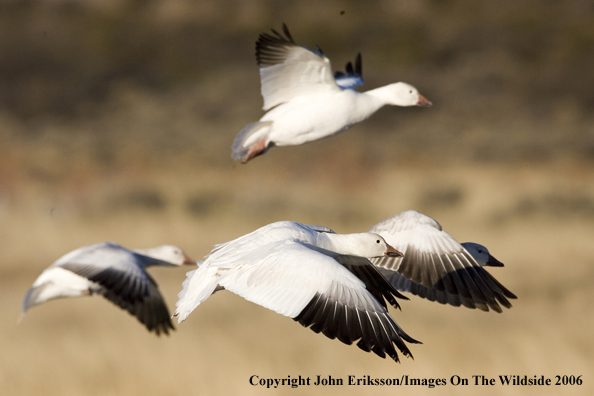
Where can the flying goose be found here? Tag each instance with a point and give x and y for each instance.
(308, 273)
(305, 101)
(116, 273)
(436, 267)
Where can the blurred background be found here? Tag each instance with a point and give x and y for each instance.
(116, 121)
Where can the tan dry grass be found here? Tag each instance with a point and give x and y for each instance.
(86, 346)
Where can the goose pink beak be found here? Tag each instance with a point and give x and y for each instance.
(423, 102)
(189, 261)
(391, 252)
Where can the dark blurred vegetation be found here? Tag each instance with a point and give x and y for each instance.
(110, 82)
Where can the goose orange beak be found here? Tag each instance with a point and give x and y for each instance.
(391, 252)
(423, 102)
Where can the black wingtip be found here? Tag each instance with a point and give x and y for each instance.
(359, 65)
(277, 34)
(349, 69)
(356, 70)
(287, 33)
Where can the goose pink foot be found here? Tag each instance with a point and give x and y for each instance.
(256, 150)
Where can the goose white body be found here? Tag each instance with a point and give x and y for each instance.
(60, 283)
(309, 118)
(300, 271)
(117, 273)
(305, 101)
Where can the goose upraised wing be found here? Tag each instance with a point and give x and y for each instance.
(435, 266)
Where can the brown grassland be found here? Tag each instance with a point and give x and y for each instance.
(123, 130)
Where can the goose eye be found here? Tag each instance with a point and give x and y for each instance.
(480, 251)
(378, 241)
(410, 91)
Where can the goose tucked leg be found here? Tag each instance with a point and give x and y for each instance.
(257, 149)
(251, 141)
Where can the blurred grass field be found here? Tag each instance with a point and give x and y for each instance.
(116, 122)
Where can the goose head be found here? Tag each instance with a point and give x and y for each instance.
(169, 253)
(481, 255)
(364, 245)
(403, 94)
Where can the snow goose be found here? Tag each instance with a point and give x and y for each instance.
(305, 102)
(308, 273)
(114, 272)
(436, 267)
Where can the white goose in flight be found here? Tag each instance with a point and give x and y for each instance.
(305, 102)
(436, 267)
(308, 273)
(116, 273)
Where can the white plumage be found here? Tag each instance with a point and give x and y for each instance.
(310, 274)
(436, 267)
(117, 273)
(334, 282)
(305, 101)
